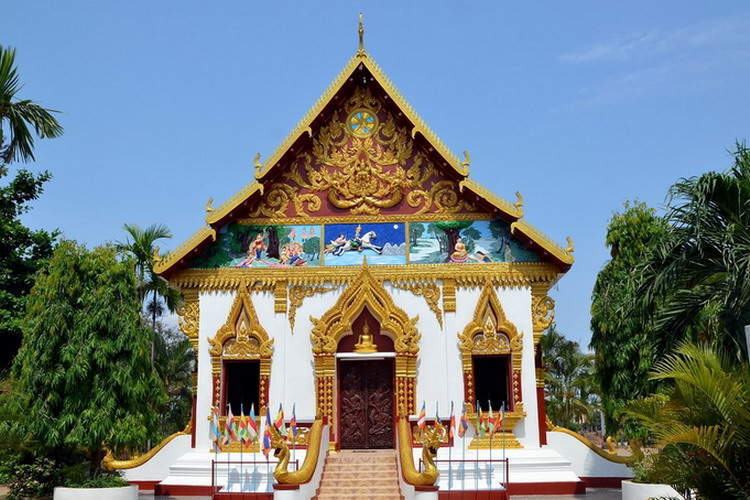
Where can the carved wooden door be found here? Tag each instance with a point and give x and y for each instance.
(366, 410)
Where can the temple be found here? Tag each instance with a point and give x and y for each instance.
(361, 275)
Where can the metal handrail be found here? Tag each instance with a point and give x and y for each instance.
(268, 463)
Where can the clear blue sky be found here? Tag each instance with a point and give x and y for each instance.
(579, 105)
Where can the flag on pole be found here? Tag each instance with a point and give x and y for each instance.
(422, 420)
(479, 421)
(215, 430)
(451, 423)
(490, 420)
(231, 425)
(267, 433)
(464, 424)
(252, 425)
(279, 423)
(499, 419)
(293, 421)
(242, 433)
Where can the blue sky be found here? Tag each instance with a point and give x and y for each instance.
(578, 105)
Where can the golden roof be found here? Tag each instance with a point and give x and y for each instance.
(513, 211)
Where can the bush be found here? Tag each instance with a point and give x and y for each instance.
(7, 464)
(33, 480)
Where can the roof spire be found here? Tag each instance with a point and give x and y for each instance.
(361, 32)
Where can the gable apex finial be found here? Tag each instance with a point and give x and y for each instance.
(361, 33)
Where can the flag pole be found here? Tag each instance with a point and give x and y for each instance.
(241, 440)
(502, 428)
(491, 426)
(450, 449)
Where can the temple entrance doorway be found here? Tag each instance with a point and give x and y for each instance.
(366, 403)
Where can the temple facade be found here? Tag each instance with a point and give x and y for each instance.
(360, 276)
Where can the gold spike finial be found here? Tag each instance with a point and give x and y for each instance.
(256, 162)
(571, 247)
(361, 33)
(466, 161)
(519, 201)
(210, 205)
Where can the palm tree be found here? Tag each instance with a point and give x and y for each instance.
(141, 245)
(701, 423)
(20, 115)
(697, 284)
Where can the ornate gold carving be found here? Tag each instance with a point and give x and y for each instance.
(365, 291)
(443, 197)
(540, 377)
(350, 219)
(490, 332)
(297, 295)
(502, 437)
(449, 295)
(183, 250)
(188, 317)
(431, 294)
(281, 452)
(111, 463)
(542, 312)
(242, 337)
(508, 274)
(430, 444)
(279, 297)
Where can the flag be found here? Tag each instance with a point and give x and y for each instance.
(230, 425)
(267, 433)
(252, 425)
(293, 421)
(422, 420)
(279, 423)
(499, 420)
(242, 434)
(215, 430)
(464, 424)
(451, 423)
(490, 420)
(479, 422)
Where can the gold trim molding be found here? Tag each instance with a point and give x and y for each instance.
(363, 219)
(431, 295)
(501, 274)
(542, 310)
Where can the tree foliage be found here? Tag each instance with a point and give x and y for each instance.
(570, 390)
(173, 363)
(697, 283)
(83, 369)
(700, 422)
(625, 351)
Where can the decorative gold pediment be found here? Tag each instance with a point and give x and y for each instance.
(490, 332)
(242, 336)
(365, 291)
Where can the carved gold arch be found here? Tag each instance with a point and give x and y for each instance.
(241, 337)
(490, 332)
(365, 291)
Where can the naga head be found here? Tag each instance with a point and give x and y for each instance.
(431, 437)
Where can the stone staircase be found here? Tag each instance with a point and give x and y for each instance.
(360, 474)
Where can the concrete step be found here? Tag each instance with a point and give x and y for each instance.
(354, 468)
(393, 489)
(361, 481)
(357, 496)
(351, 458)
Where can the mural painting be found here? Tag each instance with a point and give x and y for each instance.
(381, 243)
(240, 245)
(465, 242)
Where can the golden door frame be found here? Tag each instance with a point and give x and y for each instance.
(365, 291)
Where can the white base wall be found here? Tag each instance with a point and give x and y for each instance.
(585, 462)
(157, 468)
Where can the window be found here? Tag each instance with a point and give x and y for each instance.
(491, 381)
(241, 379)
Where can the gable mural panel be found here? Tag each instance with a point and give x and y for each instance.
(243, 245)
(465, 242)
(349, 244)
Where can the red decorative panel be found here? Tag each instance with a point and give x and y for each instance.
(542, 415)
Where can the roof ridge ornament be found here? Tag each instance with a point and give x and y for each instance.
(361, 32)
(257, 165)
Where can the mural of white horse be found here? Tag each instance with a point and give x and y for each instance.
(364, 243)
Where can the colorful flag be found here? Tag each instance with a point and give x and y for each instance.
(451, 423)
(479, 421)
(293, 421)
(215, 430)
(422, 420)
(464, 424)
(279, 423)
(230, 425)
(267, 433)
(242, 434)
(490, 420)
(499, 420)
(252, 425)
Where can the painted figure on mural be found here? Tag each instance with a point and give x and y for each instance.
(382, 243)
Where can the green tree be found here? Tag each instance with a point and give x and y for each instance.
(83, 369)
(452, 230)
(416, 230)
(141, 247)
(311, 247)
(697, 282)
(22, 250)
(174, 359)
(18, 115)
(571, 398)
(700, 424)
(624, 350)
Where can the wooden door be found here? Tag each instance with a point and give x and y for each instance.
(366, 404)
